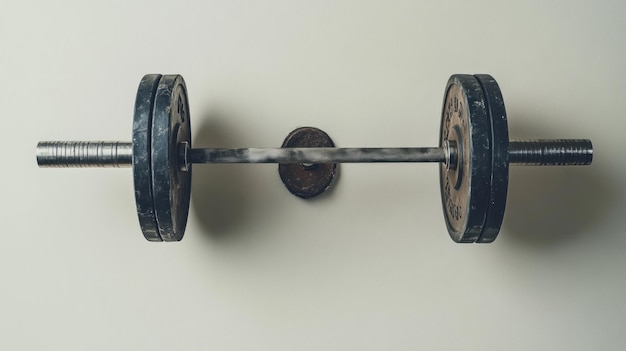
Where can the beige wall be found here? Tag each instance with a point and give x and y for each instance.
(370, 266)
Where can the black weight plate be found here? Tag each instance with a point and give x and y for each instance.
(499, 155)
(307, 181)
(171, 185)
(466, 188)
(142, 166)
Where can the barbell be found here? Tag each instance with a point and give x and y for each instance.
(474, 153)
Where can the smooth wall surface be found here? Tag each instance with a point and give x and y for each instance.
(368, 266)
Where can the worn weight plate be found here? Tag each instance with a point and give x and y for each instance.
(499, 157)
(307, 181)
(142, 156)
(171, 185)
(466, 184)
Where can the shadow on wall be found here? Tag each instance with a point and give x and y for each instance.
(550, 206)
(546, 206)
(225, 196)
(221, 192)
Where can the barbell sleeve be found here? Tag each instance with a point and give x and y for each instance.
(84, 154)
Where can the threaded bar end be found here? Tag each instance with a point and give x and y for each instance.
(551, 152)
(64, 154)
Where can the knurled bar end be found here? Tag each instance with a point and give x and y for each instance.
(551, 152)
(65, 154)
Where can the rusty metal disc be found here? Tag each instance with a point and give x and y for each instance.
(466, 184)
(142, 154)
(302, 180)
(499, 158)
(171, 185)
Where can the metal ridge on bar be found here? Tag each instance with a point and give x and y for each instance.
(84, 154)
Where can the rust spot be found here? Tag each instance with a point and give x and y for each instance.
(307, 180)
